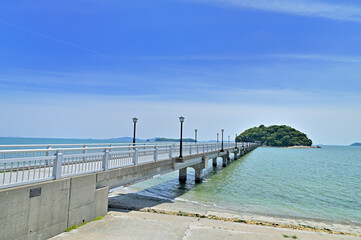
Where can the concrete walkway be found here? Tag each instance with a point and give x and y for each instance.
(143, 225)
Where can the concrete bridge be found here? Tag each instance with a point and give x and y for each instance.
(46, 189)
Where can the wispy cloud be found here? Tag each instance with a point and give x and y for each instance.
(318, 57)
(314, 8)
(236, 58)
(52, 38)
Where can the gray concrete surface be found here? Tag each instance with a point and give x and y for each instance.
(43, 216)
(135, 225)
(57, 205)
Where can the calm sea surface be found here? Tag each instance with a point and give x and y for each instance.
(317, 183)
(314, 183)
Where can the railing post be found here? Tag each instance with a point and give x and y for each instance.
(84, 152)
(197, 148)
(106, 160)
(110, 147)
(207, 148)
(135, 156)
(57, 165)
(190, 149)
(156, 154)
(47, 154)
(171, 151)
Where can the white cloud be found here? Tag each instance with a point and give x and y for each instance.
(236, 58)
(318, 57)
(340, 11)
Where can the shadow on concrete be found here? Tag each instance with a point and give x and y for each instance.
(134, 201)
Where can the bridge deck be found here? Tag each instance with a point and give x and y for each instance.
(35, 165)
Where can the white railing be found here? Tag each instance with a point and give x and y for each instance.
(24, 166)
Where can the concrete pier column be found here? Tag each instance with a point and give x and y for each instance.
(198, 169)
(214, 162)
(183, 175)
(228, 156)
(198, 174)
(225, 161)
(235, 155)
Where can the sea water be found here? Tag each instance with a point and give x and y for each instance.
(313, 183)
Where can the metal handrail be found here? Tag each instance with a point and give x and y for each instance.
(95, 148)
(70, 144)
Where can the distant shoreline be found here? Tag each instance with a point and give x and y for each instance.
(302, 147)
(291, 147)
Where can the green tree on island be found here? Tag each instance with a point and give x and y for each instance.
(275, 136)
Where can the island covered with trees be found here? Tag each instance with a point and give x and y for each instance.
(275, 136)
(356, 144)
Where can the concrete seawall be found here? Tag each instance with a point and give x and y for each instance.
(42, 210)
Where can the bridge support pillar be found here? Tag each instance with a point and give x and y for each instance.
(235, 154)
(198, 169)
(183, 175)
(214, 162)
(225, 161)
(198, 174)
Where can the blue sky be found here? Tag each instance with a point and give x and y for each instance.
(84, 68)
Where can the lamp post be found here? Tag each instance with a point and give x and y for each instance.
(181, 119)
(222, 150)
(229, 139)
(135, 120)
(195, 134)
(217, 137)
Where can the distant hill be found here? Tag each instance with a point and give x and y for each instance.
(356, 144)
(174, 140)
(151, 139)
(275, 136)
(125, 139)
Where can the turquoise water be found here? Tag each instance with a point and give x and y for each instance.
(314, 183)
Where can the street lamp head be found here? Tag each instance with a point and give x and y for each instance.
(135, 120)
(181, 119)
(196, 130)
(222, 130)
